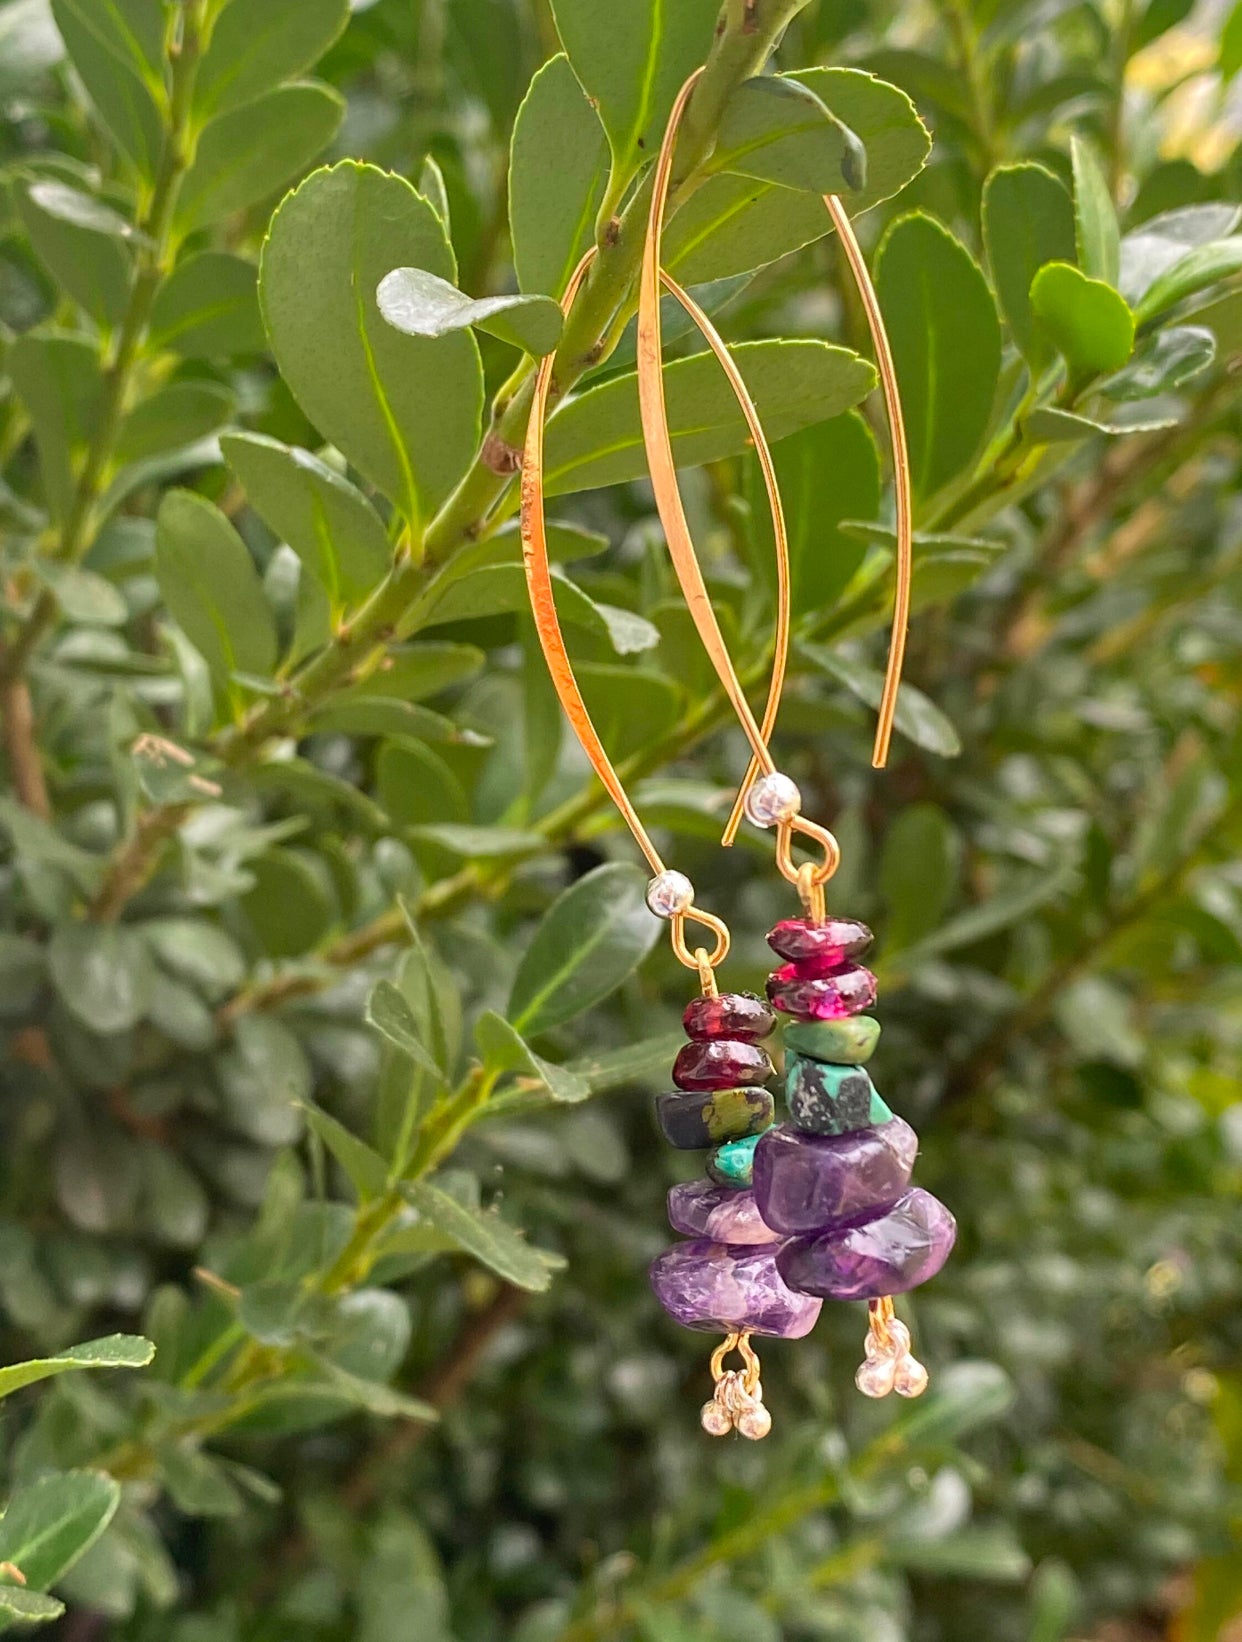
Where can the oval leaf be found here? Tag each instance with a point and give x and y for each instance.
(593, 937)
(405, 410)
(558, 168)
(1089, 323)
(422, 304)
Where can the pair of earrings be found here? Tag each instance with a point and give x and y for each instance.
(821, 1207)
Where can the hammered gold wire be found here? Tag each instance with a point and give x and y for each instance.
(657, 438)
(560, 668)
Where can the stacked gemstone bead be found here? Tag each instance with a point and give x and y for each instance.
(835, 1181)
(725, 1277)
(819, 1208)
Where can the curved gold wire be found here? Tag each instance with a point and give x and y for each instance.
(664, 479)
(552, 642)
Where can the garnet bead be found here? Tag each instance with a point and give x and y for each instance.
(731, 1015)
(832, 943)
(724, 1063)
(828, 999)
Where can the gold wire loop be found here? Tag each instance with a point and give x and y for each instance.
(882, 1313)
(690, 955)
(552, 640)
(788, 867)
(738, 1341)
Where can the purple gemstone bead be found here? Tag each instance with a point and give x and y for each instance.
(731, 1015)
(889, 1255)
(829, 999)
(724, 1063)
(810, 1183)
(835, 941)
(714, 1287)
(700, 1208)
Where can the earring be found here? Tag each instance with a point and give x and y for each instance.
(726, 1278)
(834, 1184)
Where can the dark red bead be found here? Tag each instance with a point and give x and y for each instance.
(829, 999)
(731, 1015)
(724, 1063)
(832, 943)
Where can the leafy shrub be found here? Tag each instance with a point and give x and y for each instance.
(333, 1009)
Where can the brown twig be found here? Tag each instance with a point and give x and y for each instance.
(25, 766)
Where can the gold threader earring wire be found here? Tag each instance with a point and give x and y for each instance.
(668, 497)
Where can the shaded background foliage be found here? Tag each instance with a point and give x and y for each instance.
(331, 1008)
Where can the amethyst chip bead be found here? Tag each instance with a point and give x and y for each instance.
(814, 1183)
(700, 1208)
(715, 1287)
(888, 1255)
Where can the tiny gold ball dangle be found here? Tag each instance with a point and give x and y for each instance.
(716, 1420)
(773, 799)
(754, 1422)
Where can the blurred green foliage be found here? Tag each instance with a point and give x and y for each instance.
(332, 1010)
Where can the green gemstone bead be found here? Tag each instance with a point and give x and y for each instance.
(699, 1119)
(734, 1163)
(845, 1043)
(831, 1100)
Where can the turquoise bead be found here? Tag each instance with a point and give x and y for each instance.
(845, 1043)
(831, 1100)
(734, 1164)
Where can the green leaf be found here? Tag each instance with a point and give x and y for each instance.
(28, 1607)
(289, 905)
(493, 1242)
(733, 224)
(946, 343)
(197, 951)
(558, 169)
(499, 588)
(179, 414)
(432, 187)
(777, 129)
(505, 1050)
(248, 153)
(81, 243)
(58, 378)
(47, 1526)
(993, 1553)
(110, 1351)
(405, 410)
(1095, 216)
(482, 843)
(390, 1014)
(327, 522)
(1089, 322)
(208, 308)
(1052, 427)
(1055, 1602)
(1164, 362)
(367, 1171)
(917, 717)
(1158, 244)
(630, 709)
(414, 785)
(118, 51)
(1157, 18)
(421, 304)
(1204, 266)
(29, 45)
(211, 587)
(918, 873)
(596, 439)
(822, 557)
(1000, 911)
(371, 1395)
(102, 973)
(265, 1081)
(197, 1483)
(256, 44)
(632, 61)
(593, 937)
(85, 597)
(1231, 44)
(1028, 221)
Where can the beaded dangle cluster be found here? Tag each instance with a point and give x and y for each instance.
(820, 1207)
